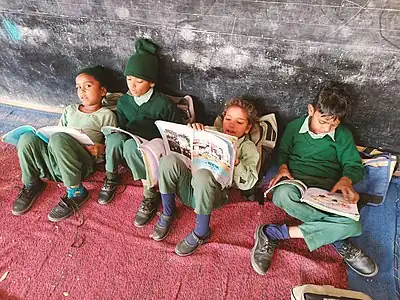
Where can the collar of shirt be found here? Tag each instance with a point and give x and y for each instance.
(144, 98)
(305, 128)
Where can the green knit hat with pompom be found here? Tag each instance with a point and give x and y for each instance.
(144, 63)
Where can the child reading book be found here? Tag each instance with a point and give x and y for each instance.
(320, 152)
(137, 110)
(201, 191)
(65, 159)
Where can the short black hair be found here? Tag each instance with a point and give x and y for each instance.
(333, 101)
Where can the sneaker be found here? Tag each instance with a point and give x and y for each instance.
(147, 211)
(356, 259)
(161, 232)
(107, 191)
(67, 206)
(27, 197)
(183, 248)
(262, 252)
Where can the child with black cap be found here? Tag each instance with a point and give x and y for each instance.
(136, 111)
(64, 159)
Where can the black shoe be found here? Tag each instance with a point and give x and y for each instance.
(107, 191)
(262, 252)
(183, 248)
(161, 232)
(356, 259)
(27, 197)
(147, 211)
(67, 206)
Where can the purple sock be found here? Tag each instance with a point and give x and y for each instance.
(201, 229)
(168, 202)
(276, 232)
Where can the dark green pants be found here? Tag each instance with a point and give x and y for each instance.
(200, 191)
(64, 159)
(319, 228)
(122, 149)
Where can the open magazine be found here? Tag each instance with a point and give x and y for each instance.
(13, 136)
(322, 199)
(208, 149)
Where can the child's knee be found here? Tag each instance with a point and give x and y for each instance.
(115, 140)
(283, 193)
(170, 162)
(202, 178)
(27, 139)
(58, 139)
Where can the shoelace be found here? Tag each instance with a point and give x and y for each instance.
(108, 184)
(146, 205)
(268, 247)
(349, 252)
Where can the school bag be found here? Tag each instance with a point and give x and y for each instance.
(325, 292)
(264, 135)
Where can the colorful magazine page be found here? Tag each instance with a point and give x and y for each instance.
(331, 202)
(107, 130)
(152, 152)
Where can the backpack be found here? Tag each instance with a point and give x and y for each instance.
(264, 135)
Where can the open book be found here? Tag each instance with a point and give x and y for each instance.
(322, 199)
(208, 149)
(107, 130)
(44, 133)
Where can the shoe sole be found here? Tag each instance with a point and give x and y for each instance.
(70, 214)
(253, 264)
(362, 274)
(18, 213)
(111, 198)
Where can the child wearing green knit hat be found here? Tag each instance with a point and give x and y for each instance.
(137, 111)
(63, 158)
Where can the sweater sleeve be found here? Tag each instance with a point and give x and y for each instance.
(121, 119)
(245, 173)
(286, 145)
(173, 113)
(64, 117)
(349, 158)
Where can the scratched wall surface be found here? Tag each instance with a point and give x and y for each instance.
(277, 53)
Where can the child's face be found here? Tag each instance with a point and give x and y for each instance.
(138, 86)
(89, 90)
(236, 122)
(321, 124)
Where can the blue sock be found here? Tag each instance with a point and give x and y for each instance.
(201, 229)
(338, 244)
(75, 191)
(276, 232)
(168, 202)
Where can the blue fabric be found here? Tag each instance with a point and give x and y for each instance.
(276, 232)
(376, 181)
(168, 202)
(380, 240)
(75, 192)
(201, 229)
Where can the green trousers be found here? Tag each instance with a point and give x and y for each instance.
(319, 228)
(122, 149)
(64, 159)
(200, 191)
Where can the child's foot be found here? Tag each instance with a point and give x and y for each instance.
(162, 227)
(262, 252)
(27, 197)
(67, 206)
(355, 258)
(147, 211)
(190, 243)
(107, 191)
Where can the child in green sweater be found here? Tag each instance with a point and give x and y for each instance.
(64, 159)
(321, 152)
(137, 111)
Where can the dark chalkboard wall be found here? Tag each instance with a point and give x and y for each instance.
(278, 53)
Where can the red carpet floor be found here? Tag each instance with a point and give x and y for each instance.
(112, 259)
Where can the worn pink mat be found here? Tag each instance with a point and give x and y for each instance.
(112, 259)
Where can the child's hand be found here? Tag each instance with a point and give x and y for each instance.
(282, 172)
(345, 186)
(96, 150)
(196, 126)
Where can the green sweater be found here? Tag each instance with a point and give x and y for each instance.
(139, 120)
(320, 162)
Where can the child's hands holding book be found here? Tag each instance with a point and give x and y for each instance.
(282, 172)
(96, 150)
(196, 126)
(346, 187)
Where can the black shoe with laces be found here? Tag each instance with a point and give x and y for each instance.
(27, 197)
(67, 206)
(161, 232)
(355, 258)
(107, 191)
(147, 210)
(262, 252)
